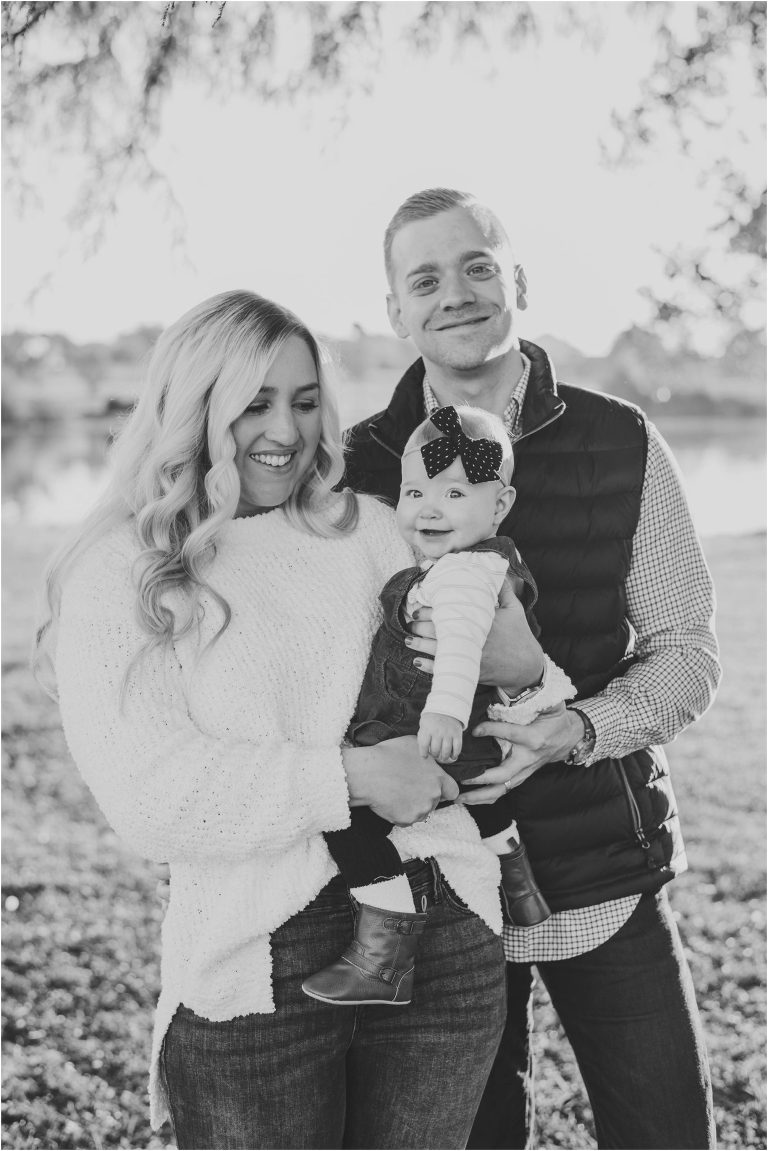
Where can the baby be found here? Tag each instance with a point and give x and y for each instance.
(454, 495)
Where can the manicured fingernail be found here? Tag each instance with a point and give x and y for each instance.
(417, 663)
(408, 641)
(415, 614)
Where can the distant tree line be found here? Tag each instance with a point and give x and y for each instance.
(638, 368)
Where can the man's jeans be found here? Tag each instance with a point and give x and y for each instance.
(314, 1075)
(629, 1012)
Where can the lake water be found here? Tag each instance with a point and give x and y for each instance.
(53, 472)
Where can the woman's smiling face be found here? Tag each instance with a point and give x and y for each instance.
(277, 435)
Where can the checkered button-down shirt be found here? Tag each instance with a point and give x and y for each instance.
(670, 605)
(512, 411)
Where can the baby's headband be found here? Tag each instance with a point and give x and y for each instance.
(481, 458)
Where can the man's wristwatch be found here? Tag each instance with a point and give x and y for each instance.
(580, 752)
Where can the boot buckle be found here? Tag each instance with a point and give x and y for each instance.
(404, 926)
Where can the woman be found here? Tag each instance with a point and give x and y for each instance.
(211, 624)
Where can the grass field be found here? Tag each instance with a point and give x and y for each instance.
(81, 925)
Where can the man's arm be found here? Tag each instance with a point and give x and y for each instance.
(670, 604)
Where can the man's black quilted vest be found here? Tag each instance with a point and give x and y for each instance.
(611, 829)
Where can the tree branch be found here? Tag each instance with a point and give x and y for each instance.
(34, 12)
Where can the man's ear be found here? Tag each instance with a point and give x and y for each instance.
(505, 498)
(395, 318)
(522, 288)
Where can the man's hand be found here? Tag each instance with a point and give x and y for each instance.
(547, 739)
(394, 779)
(440, 736)
(512, 658)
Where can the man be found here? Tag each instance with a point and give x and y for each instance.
(625, 607)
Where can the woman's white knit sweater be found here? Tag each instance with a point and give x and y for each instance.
(231, 774)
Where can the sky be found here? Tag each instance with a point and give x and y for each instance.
(291, 202)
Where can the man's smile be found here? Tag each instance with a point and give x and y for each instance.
(470, 321)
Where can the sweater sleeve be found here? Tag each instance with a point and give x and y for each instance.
(169, 789)
(463, 589)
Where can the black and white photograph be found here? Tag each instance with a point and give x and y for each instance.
(383, 574)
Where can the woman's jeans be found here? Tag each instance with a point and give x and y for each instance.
(629, 1011)
(313, 1075)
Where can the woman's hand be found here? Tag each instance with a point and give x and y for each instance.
(512, 658)
(396, 781)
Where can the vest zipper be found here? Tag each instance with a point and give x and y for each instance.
(634, 810)
(382, 444)
(533, 431)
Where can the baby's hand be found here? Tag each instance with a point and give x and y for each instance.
(439, 736)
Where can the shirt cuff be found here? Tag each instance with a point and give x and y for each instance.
(602, 715)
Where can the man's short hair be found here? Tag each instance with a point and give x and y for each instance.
(431, 202)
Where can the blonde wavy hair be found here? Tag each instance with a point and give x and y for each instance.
(173, 464)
